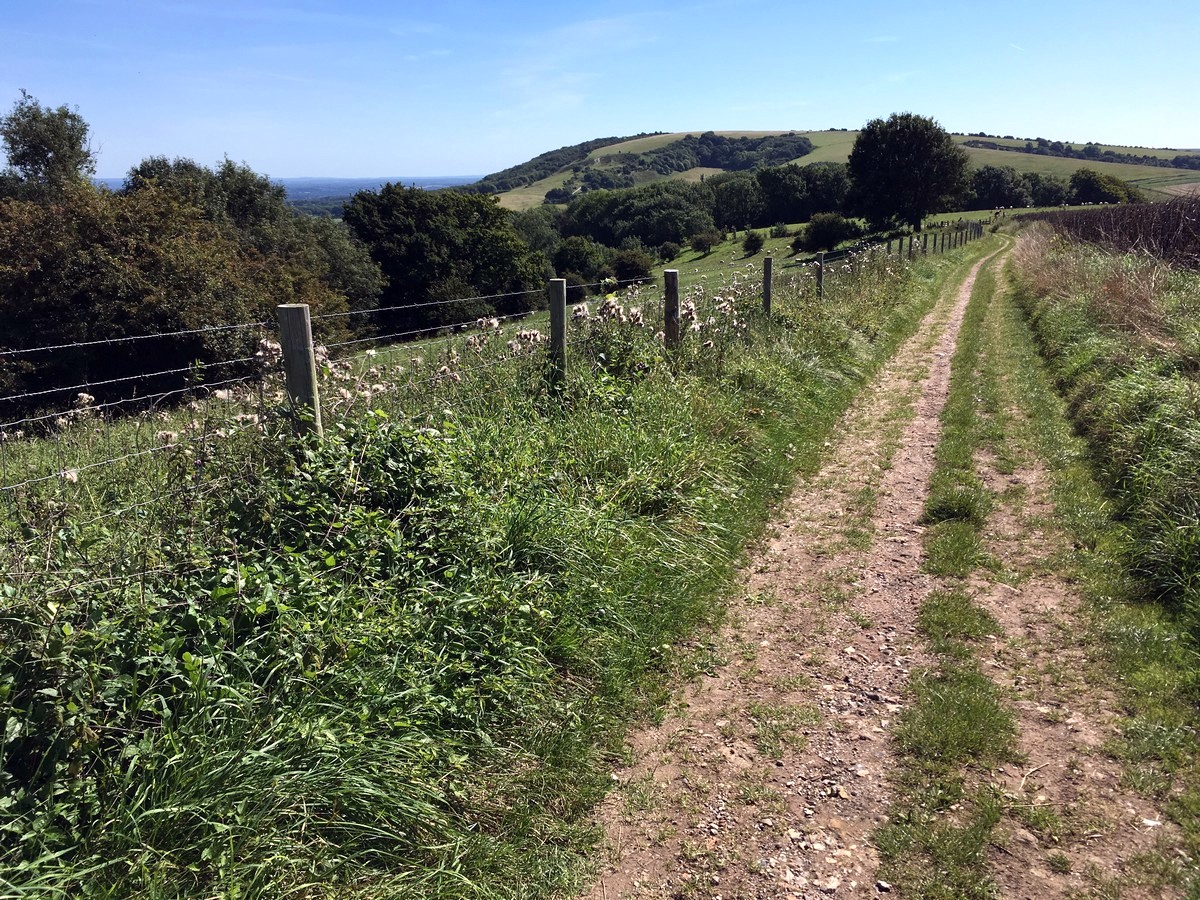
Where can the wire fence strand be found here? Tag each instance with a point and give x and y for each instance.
(206, 329)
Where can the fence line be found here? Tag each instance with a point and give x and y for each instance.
(144, 398)
(555, 343)
(206, 329)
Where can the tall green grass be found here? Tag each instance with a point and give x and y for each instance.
(397, 662)
(1119, 333)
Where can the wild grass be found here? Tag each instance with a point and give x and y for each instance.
(1147, 649)
(1131, 389)
(398, 661)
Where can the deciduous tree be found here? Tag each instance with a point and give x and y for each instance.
(47, 149)
(904, 168)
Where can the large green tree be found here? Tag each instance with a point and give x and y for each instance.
(904, 168)
(47, 149)
(999, 186)
(253, 210)
(442, 247)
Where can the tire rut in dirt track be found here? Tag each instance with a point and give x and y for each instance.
(769, 774)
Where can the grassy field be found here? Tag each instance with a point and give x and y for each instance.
(1160, 152)
(835, 146)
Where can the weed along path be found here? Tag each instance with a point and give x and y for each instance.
(769, 775)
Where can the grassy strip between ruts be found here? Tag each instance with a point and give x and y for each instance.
(936, 839)
(392, 663)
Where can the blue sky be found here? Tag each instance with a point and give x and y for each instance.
(361, 88)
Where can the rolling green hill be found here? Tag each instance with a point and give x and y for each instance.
(614, 157)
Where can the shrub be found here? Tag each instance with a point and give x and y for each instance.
(779, 230)
(753, 242)
(826, 230)
(632, 265)
(704, 241)
(668, 251)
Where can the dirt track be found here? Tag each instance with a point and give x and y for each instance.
(768, 776)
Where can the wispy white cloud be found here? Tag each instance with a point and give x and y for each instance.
(1016, 47)
(543, 77)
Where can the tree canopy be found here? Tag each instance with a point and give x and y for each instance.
(443, 246)
(904, 168)
(46, 149)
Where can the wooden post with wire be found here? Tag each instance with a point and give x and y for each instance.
(671, 308)
(300, 367)
(557, 295)
(821, 275)
(768, 269)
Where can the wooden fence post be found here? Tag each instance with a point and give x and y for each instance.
(300, 366)
(556, 292)
(671, 308)
(910, 250)
(768, 272)
(821, 275)
(889, 249)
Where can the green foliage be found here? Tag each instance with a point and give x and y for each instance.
(541, 166)
(903, 169)
(90, 265)
(996, 187)
(753, 242)
(738, 200)
(717, 151)
(828, 186)
(704, 241)
(433, 244)
(825, 231)
(1090, 186)
(541, 228)
(1131, 392)
(47, 149)
(669, 250)
(654, 214)
(784, 192)
(583, 257)
(632, 265)
(390, 663)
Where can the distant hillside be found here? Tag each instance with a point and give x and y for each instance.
(614, 162)
(625, 162)
(541, 166)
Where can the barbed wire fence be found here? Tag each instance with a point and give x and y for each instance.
(109, 460)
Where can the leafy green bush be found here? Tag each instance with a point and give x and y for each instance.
(705, 241)
(669, 251)
(825, 231)
(753, 242)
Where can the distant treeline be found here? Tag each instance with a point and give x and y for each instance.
(1090, 152)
